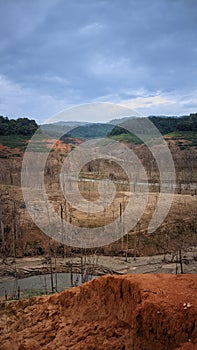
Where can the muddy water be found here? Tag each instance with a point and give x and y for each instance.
(40, 284)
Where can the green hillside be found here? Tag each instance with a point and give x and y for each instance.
(16, 133)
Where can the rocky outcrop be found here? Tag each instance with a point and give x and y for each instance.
(139, 312)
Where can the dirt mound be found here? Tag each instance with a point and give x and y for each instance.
(113, 312)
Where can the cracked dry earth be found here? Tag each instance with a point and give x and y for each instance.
(112, 312)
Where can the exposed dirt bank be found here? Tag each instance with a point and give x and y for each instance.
(142, 312)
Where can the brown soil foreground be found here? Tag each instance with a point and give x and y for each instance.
(112, 312)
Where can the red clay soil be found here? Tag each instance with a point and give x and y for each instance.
(139, 312)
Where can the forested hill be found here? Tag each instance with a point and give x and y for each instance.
(170, 124)
(20, 126)
(167, 125)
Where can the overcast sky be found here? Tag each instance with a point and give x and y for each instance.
(59, 53)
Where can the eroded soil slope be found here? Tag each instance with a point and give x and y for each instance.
(113, 312)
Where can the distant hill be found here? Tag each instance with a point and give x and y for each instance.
(56, 129)
(91, 130)
(75, 129)
(120, 120)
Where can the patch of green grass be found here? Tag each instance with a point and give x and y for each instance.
(127, 137)
(149, 140)
(21, 142)
(38, 146)
(14, 141)
(190, 136)
(183, 134)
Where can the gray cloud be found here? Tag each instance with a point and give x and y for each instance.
(78, 51)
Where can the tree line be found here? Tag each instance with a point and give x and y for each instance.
(20, 126)
(170, 124)
(26, 126)
(167, 125)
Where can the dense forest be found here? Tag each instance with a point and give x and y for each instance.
(167, 125)
(20, 126)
